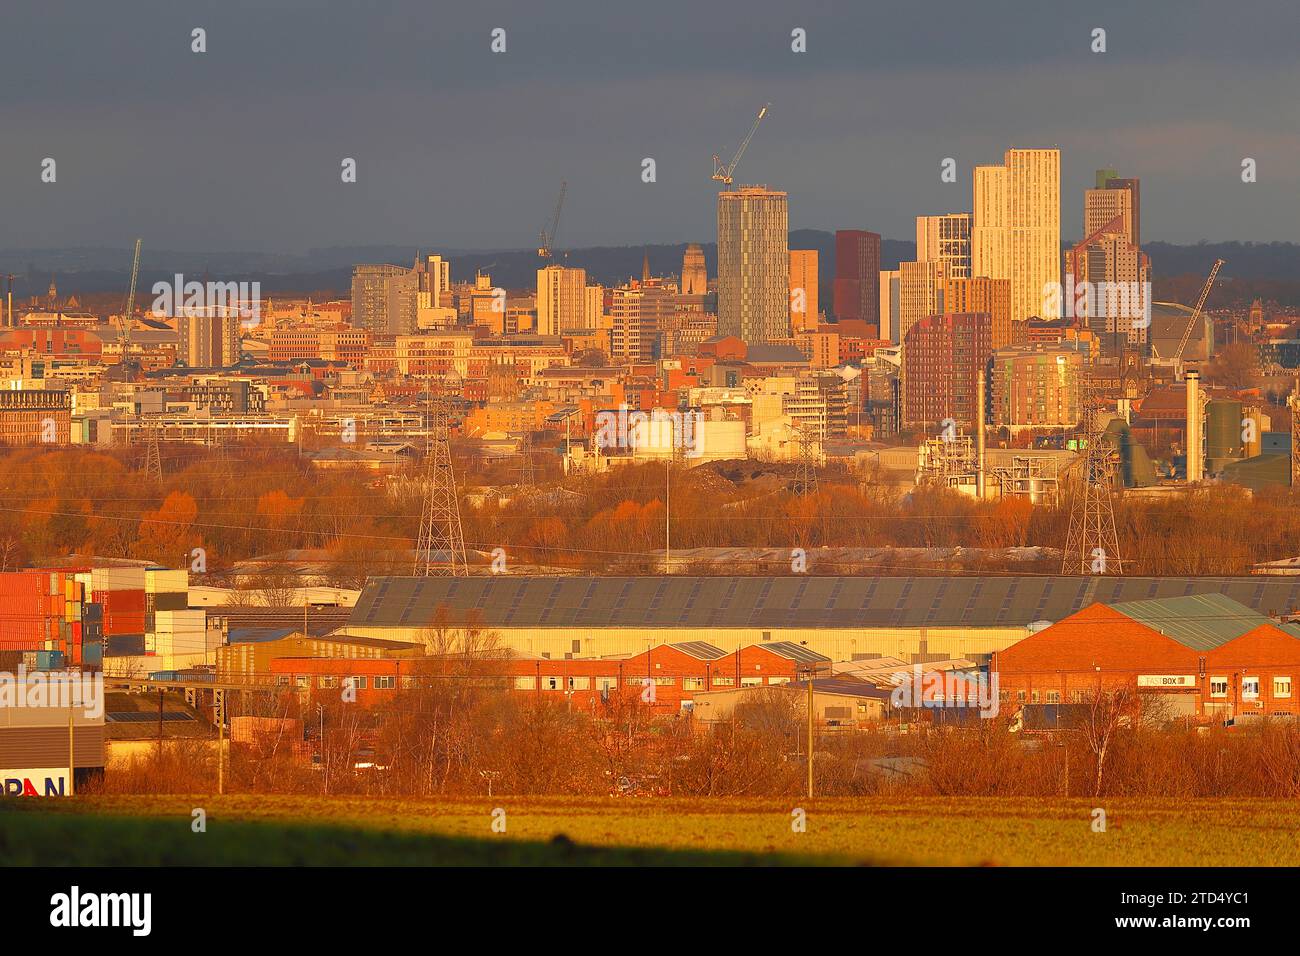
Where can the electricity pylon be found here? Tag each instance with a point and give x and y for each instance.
(1092, 542)
(805, 481)
(152, 452)
(527, 475)
(440, 528)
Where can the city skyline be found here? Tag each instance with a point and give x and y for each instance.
(237, 150)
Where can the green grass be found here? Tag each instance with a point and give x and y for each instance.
(287, 830)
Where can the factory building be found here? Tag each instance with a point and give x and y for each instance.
(666, 678)
(1207, 655)
(914, 618)
(51, 733)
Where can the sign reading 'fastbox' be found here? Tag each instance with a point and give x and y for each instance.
(1166, 680)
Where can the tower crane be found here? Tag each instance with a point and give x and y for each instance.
(724, 174)
(130, 303)
(1196, 314)
(547, 238)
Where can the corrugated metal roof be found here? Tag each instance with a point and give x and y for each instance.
(1201, 622)
(794, 601)
(796, 652)
(700, 650)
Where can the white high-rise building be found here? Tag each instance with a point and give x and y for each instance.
(1016, 226)
(754, 264)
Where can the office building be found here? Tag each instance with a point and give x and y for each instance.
(889, 305)
(803, 290)
(920, 293)
(208, 341)
(384, 298)
(1035, 386)
(992, 296)
(1016, 226)
(856, 291)
(753, 264)
(561, 300)
(638, 313)
(947, 239)
(943, 357)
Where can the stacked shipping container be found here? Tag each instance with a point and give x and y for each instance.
(45, 610)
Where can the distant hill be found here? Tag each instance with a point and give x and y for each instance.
(1271, 270)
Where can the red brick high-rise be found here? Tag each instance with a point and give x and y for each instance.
(856, 292)
(943, 356)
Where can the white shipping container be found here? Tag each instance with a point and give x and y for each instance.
(117, 579)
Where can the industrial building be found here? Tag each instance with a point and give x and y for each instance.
(839, 703)
(51, 733)
(1208, 655)
(915, 618)
(666, 678)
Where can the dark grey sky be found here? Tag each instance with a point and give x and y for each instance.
(239, 148)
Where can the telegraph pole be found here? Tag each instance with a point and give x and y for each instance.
(810, 732)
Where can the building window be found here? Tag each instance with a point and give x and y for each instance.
(778, 680)
(666, 681)
(1053, 696)
(302, 682)
(724, 682)
(606, 684)
(357, 683)
(550, 683)
(385, 683)
(751, 682)
(526, 683)
(1281, 686)
(328, 680)
(692, 683)
(1249, 687)
(579, 683)
(1020, 696)
(282, 680)
(1033, 697)
(1218, 687)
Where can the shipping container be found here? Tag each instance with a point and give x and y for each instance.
(49, 660)
(123, 645)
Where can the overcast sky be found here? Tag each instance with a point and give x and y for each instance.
(457, 147)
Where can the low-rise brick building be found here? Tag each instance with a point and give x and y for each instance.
(1211, 656)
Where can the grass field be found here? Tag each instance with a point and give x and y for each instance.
(285, 830)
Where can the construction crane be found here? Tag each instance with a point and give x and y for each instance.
(547, 239)
(130, 303)
(725, 174)
(1111, 226)
(1196, 314)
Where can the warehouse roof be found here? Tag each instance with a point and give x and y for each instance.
(795, 652)
(1201, 622)
(794, 601)
(700, 650)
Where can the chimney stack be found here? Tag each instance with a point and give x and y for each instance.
(1193, 441)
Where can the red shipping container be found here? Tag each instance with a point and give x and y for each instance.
(123, 611)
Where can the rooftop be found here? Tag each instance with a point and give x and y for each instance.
(791, 601)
